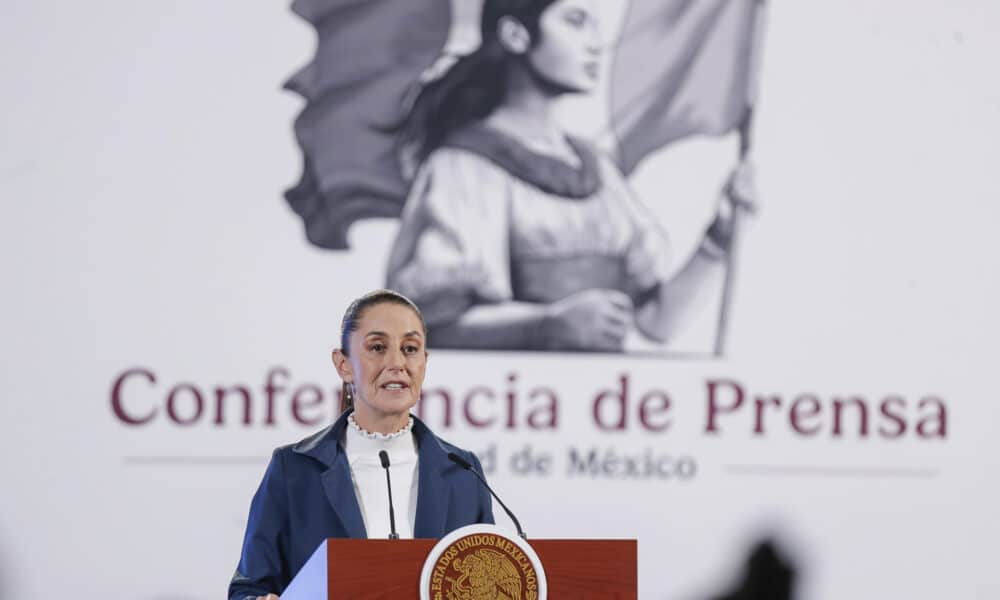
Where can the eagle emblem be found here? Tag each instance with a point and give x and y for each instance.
(486, 574)
(478, 562)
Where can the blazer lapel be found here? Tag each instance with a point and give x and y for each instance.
(325, 447)
(433, 489)
(340, 492)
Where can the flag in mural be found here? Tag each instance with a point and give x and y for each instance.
(368, 56)
(696, 73)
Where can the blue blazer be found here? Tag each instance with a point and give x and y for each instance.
(307, 496)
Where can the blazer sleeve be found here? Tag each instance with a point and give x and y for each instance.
(485, 500)
(263, 568)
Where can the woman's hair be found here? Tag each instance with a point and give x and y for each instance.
(356, 310)
(473, 87)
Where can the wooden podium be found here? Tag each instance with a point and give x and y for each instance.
(352, 569)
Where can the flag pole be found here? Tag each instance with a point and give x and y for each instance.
(745, 150)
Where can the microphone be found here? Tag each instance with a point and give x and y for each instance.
(383, 456)
(458, 460)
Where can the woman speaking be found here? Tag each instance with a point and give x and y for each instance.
(332, 483)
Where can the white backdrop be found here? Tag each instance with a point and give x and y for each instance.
(144, 150)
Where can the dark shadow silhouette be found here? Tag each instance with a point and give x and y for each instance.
(767, 576)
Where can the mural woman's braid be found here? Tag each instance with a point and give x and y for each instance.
(474, 87)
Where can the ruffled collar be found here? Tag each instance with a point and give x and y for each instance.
(363, 447)
(356, 429)
(545, 172)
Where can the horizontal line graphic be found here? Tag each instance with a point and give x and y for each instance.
(828, 471)
(193, 460)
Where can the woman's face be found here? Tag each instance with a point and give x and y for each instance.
(386, 365)
(568, 51)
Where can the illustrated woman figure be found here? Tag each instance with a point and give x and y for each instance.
(516, 235)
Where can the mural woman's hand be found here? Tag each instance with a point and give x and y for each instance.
(594, 319)
(741, 188)
(739, 194)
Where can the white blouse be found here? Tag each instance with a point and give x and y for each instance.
(362, 448)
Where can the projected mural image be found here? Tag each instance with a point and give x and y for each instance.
(515, 233)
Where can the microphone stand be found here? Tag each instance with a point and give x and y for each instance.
(383, 457)
(458, 460)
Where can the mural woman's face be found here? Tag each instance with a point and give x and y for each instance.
(568, 51)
